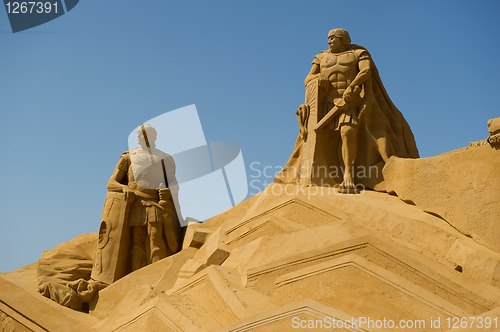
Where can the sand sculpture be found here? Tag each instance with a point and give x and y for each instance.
(145, 177)
(139, 226)
(494, 129)
(424, 253)
(349, 127)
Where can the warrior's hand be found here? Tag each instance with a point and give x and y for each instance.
(351, 94)
(348, 95)
(129, 194)
(323, 82)
(164, 194)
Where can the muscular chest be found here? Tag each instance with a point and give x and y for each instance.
(345, 65)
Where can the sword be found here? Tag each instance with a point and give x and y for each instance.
(328, 117)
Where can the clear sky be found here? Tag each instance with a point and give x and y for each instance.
(72, 90)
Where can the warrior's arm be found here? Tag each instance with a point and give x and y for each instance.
(172, 180)
(316, 73)
(115, 179)
(115, 185)
(115, 182)
(312, 74)
(354, 88)
(363, 75)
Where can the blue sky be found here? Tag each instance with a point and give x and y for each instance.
(73, 89)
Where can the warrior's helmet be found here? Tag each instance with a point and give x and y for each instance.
(342, 34)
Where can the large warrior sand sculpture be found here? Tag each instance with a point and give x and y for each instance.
(146, 222)
(139, 226)
(349, 127)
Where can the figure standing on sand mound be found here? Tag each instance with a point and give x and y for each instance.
(349, 125)
(139, 210)
(139, 226)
